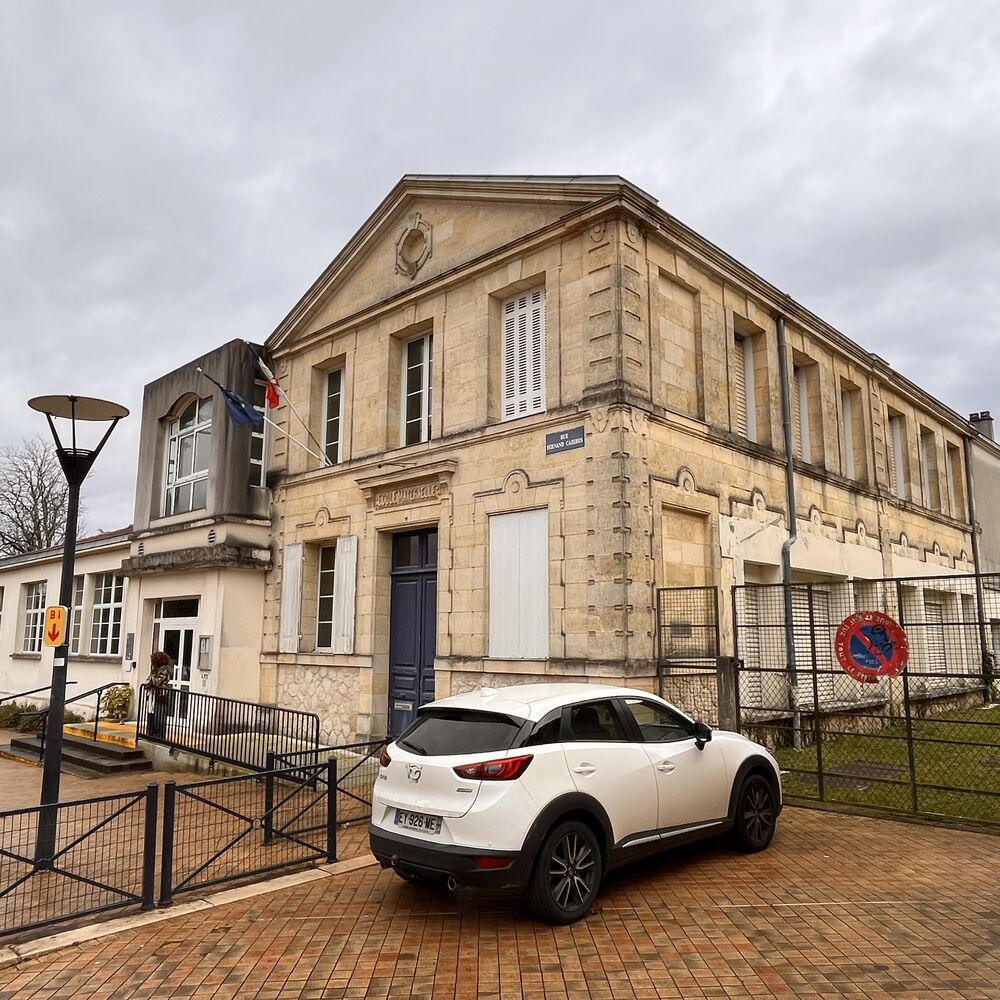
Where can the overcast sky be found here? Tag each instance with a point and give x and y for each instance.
(176, 174)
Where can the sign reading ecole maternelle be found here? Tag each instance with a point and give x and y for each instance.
(564, 440)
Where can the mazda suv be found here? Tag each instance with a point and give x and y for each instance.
(544, 788)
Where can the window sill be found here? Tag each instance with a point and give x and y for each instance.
(95, 658)
(25, 656)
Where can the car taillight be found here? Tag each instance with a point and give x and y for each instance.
(383, 758)
(495, 770)
(493, 863)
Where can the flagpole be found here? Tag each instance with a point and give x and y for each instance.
(281, 430)
(284, 395)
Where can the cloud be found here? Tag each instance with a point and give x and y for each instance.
(176, 174)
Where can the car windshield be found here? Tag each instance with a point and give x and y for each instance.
(440, 733)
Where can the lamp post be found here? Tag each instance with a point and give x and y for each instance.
(76, 463)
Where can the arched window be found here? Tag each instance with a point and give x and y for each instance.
(189, 446)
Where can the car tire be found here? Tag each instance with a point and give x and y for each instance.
(756, 814)
(567, 875)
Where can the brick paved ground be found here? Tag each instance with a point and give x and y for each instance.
(840, 906)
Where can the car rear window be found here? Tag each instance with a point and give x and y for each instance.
(440, 733)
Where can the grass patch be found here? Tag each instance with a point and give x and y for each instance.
(959, 749)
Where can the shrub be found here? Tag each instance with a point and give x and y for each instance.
(33, 723)
(116, 702)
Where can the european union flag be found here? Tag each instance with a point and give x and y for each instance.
(240, 411)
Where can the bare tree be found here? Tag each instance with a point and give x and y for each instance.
(33, 495)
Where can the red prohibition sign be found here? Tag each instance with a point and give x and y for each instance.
(870, 646)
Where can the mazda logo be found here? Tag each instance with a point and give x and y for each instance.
(413, 772)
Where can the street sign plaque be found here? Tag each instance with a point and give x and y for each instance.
(54, 632)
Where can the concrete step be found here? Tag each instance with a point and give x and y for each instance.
(31, 759)
(96, 758)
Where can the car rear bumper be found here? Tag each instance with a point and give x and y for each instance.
(418, 857)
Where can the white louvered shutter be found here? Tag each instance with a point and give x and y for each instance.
(291, 598)
(796, 415)
(523, 381)
(344, 577)
(739, 382)
(937, 648)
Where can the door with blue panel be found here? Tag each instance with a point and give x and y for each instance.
(412, 625)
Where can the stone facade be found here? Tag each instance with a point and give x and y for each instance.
(681, 479)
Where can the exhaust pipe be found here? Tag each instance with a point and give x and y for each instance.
(450, 884)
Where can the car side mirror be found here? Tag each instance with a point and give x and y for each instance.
(702, 735)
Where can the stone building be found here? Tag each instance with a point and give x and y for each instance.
(541, 399)
(200, 547)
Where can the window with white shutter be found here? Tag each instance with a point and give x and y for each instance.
(519, 585)
(523, 354)
(738, 374)
(896, 454)
(800, 414)
(744, 389)
(291, 598)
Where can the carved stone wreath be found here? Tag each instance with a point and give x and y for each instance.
(413, 248)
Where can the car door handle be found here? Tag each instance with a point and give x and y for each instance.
(666, 767)
(585, 769)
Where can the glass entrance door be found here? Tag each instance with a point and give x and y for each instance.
(175, 628)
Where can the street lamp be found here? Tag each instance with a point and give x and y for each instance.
(76, 463)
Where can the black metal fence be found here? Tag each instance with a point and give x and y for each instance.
(232, 828)
(214, 831)
(235, 732)
(357, 766)
(104, 858)
(924, 742)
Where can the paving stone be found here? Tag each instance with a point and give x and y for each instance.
(840, 906)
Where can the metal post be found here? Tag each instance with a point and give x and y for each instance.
(269, 798)
(167, 851)
(149, 847)
(76, 463)
(817, 722)
(45, 843)
(910, 755)
(331, 809)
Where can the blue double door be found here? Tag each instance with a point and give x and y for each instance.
(412, 625)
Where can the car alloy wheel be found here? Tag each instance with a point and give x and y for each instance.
(756, 814)
(567, 875)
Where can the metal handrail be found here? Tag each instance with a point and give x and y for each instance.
(99, 691)
(228, 730)
(24, 694)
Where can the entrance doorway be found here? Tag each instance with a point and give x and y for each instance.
(175, 628)
(412, 625)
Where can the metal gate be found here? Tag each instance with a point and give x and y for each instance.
(926, 742)
(687, 648)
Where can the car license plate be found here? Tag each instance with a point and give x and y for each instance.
(418, 821)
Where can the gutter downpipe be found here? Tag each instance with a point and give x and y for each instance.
(987, 657)
(793, 533)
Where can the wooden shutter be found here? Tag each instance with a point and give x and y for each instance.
(937, 649)
(739, 383)
(519, 585)
(291, 598)
(847, 432)
(796, 414)
(344, 582)
(523, 349)
(751, 681)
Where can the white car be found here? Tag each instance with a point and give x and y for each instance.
(545, 787)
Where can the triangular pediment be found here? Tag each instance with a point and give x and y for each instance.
(429, 226)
